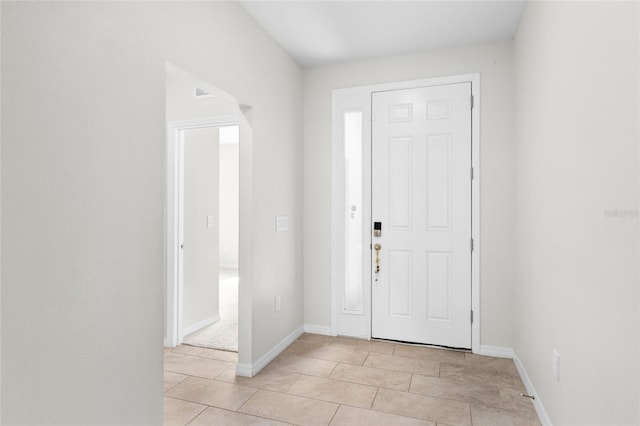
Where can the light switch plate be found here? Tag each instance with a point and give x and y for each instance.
(282, 223)
(210, 221)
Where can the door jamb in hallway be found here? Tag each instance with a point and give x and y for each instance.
(175, 136)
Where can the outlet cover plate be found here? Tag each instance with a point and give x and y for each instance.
(282, 223)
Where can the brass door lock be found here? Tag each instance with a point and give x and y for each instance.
(377, 248)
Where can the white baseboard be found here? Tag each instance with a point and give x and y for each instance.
(244, 370)
(537, 403)
(317, 329)
(502, 352)
(250, 370)
(496, 351)
(202, 324)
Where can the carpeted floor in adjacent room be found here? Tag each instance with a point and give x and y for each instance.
(222, 335)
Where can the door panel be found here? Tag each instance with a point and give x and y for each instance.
(438, 182)
(400, 153)
(421, 192)
(438, 286)
(400, 283)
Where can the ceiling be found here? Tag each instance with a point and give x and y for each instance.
(324, 32)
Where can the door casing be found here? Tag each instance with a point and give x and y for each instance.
(175, 155)
(359, 99)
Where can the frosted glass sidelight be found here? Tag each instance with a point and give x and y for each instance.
(353, 287)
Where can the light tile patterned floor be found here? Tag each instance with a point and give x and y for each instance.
(321, 380)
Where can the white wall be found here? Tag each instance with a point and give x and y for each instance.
(494, 63)
(0, 222)
(83, 188)
(577, 162)
(229, 199)
(200, 301)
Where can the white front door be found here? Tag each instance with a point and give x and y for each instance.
(421, 196)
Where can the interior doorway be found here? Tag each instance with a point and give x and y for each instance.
(195, 104)
(220, 330)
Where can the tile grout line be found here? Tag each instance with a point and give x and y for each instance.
(198, 355)
(188, 400)
(237, 410)
(334, 414)
(322, 400)
(175, 384)
(374, 399)
(198, 415)
(333, 369)
(191, 375)
(202, 358)
(294, 383)
(369, 384)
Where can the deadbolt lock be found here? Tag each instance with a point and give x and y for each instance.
(377, 229)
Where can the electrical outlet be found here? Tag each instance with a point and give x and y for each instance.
(555, 365)
(277, 303)
(282, 223)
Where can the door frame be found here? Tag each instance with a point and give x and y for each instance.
(359, 98)
(174, 203)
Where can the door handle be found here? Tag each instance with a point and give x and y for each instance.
(377, 247)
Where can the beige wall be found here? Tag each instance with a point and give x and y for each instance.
(200, 301)
(83, 188)
(577, 162)
(494, 63)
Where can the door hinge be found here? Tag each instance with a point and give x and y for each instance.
(471, 173)
(471, 102)
(471, 317)
(472, 244)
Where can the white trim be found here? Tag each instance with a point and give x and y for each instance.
(349, 323)
(244, 370)
(502, 352)
(175, 129)
(543, 417)
(318, 329)
(337, 204)
(200, 325)
(496, 351)
(475, 212)
(250, 370)
(337, 193)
